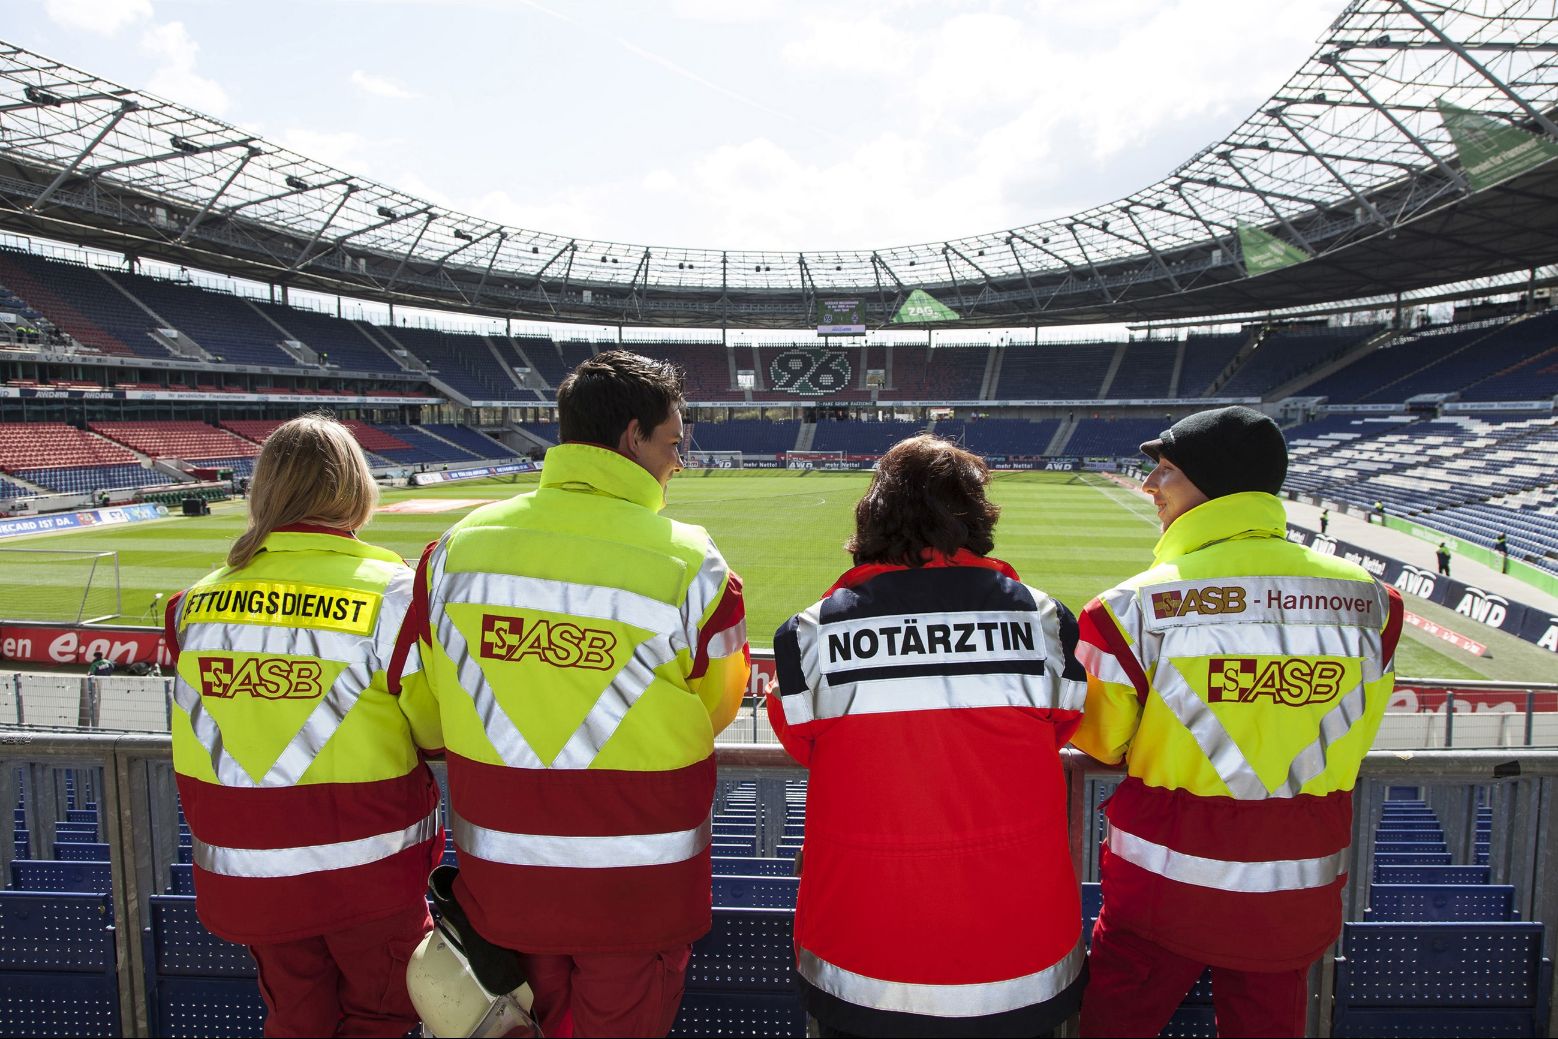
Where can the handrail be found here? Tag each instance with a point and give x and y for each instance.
(137, 809)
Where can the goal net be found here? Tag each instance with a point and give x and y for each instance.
(697, 459)
(45, 584)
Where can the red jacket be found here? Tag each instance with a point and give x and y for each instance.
(930, 705)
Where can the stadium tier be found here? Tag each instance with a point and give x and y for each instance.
(751, 435)
(1205, 358)
(545, 430)
(938, 373)
(1054, 371)
(473, 442)
(862, 438)
(191, 441)
(1113, 437)
(1000, 436)
(1146, 370)
(1283, 356)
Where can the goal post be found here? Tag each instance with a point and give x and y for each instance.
(46, 584)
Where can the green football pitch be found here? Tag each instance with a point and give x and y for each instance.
(783, 532)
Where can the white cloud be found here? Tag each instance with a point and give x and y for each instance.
(346, 150)
(380, 86)
(104, 17)
(176, 79)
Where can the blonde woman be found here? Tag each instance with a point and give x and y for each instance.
(315, 822)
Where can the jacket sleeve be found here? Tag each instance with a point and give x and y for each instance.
(791, 693)
(1116, 686)
(408, 681)
(170, 627)
(1072, 676)
(721, 659)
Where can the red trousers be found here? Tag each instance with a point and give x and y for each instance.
(607, 994)
(1134, 986)
(350, 982)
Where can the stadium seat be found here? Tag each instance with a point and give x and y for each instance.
(741, 979)
(1443, 979)
(197, 984)
(57, 962)
(1440, 902)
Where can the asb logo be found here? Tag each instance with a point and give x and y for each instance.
(269, 678)
(1205, 601)
(1486, 607)
(1290, 683)
(810, 373)
(557, 643)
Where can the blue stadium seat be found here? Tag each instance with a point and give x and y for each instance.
(1442, 979)
(57, 965)
(753, 867)
(1441, 902)
(741, 980)
(82, 852)
(739, 892)
(181, 881)
(197, 984)
(54, 875)
(1386, 874)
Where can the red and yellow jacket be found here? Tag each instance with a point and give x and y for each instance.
(581, 652)
(1242, 680)
(930, 705)
(308, 802)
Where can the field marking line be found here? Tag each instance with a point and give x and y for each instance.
(1110, 491)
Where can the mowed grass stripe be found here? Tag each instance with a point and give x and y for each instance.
(1071, 535)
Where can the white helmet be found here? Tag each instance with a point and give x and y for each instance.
(453, 1003)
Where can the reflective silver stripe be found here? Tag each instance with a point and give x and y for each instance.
(601, 602)
(1226, 758)
(1224, 874)
(613, 704)
(797, 703)
(358, 652)
(1070, 693)
(945, 692)
(970, 1000)
(1102, 665)
(501, 731)
(724, 643)
(1196, 715)
(1265, 600)
(311, 858)
(703, 592)
(1277, 640)
(535, 849)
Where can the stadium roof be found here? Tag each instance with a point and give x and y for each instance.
(1417, 146)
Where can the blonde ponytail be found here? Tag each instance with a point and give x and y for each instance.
(310, 470)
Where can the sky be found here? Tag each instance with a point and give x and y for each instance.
(740, 124)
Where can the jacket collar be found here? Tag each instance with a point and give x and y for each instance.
(1246, 514)
(301, 537)
(962, 557)
(600, 470)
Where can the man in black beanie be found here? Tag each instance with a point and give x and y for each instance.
(1240, 680)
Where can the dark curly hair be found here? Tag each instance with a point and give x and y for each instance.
(928, 493)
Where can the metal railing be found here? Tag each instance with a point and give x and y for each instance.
(132, 776)
(1431, 712)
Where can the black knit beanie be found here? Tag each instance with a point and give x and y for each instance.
(1225, 451)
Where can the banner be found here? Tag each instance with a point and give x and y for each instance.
(1264, 251)
(1490, 609)
(1492, 151)
(19, 525)
(921, 307)
(29, 643)
(43, 393)
(451, 475)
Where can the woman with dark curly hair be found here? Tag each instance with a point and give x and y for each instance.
(929, 693)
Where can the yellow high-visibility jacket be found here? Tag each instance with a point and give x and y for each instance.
(583, 652)
(1241, 679)
(308, 802)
